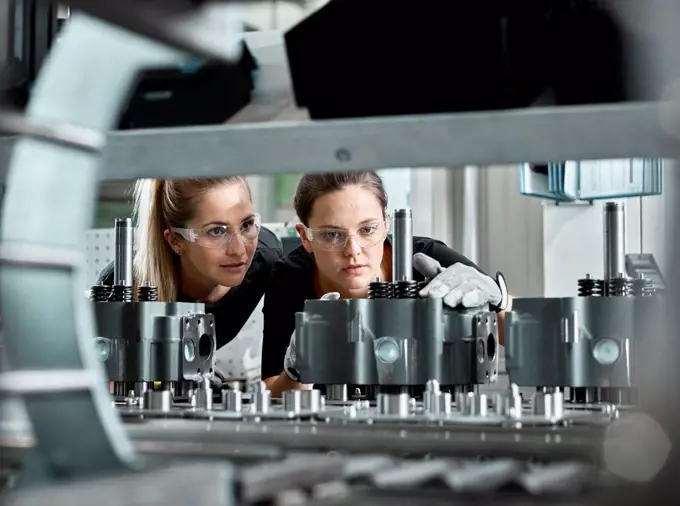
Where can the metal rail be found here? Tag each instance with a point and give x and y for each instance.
(108, 57)
(439, 140)
(48, 207)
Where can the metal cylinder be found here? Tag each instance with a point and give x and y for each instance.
(402, 245)
(311, 400)
(337, 393)
(473, 404)
(261, 398)
(437, 403)
(614, 239)
(158, 400)
(394, 404)
(510, 403)
(122, 260)
(204, 395)
(292, 401)
(548, 405)
(232, 400)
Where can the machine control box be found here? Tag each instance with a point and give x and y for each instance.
(644, 264)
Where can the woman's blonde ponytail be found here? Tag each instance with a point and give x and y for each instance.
(154, 261)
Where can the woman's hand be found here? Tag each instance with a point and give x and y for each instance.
(463, 285)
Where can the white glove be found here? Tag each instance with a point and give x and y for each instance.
(289, 359)
(463, 285)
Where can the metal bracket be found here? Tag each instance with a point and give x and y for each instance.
(46, 382)
(70, 136)
(29, 255)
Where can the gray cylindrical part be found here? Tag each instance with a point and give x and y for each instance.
(204, 394)
(158, 400)
(614, 239)
(437, 403)
(478, 404)
(337, 393)
(394, 404)
(311, 400)
(292, 401)
(548, 405)
(122, 246)
(260, 398)
(232, 400)
(402, 245)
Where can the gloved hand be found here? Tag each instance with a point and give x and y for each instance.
(289, 359)
(458, 285)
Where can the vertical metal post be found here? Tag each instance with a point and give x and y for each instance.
(402, 246)
(614, 239)
(6, 33)
(122, 261)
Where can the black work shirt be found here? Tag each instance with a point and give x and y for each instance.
(232, 311)
(292, 283)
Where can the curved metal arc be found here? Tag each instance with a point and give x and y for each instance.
(51, 195)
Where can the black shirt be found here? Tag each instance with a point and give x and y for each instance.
(292, 283)
(232, 311)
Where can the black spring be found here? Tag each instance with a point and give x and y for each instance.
(380, 290)
(590, 287)
(620, 287)
(406, 290)
(643, 287)
(147, 293)
(121, 293)
(100, 293)
(423, 284)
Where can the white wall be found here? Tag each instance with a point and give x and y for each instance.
(574, 244)
(480, 213)
(542, 249)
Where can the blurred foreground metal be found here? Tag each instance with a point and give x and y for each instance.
(420, 454)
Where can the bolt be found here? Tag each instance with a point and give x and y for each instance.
(343, 155)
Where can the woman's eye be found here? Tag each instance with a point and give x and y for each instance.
(330, 236)
(368, 230)
(245, 227)
(216, 232)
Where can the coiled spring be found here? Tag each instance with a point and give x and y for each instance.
(589, 287)
(620, 287)
(380, 290)
(121, 293)
(100, 293)
(399, 290)
(147, 293)
(406, 290)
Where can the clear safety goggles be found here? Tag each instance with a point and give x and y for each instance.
(334, 239)
(221, 236)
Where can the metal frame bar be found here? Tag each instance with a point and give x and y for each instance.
(61, 337)
(535, 135)
(441, 140)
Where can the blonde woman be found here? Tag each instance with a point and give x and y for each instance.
(200, 240)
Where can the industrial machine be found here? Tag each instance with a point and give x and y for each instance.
(588, 344)
(453, 442)
(394, 339)
(391, 365)
(145, 344)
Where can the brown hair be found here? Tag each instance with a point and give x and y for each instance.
(313, 186)
(159, 205)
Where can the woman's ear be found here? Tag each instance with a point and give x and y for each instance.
(171, 239)
(302, 232)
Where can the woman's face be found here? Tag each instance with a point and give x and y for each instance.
(225, 238)
(346, 233)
